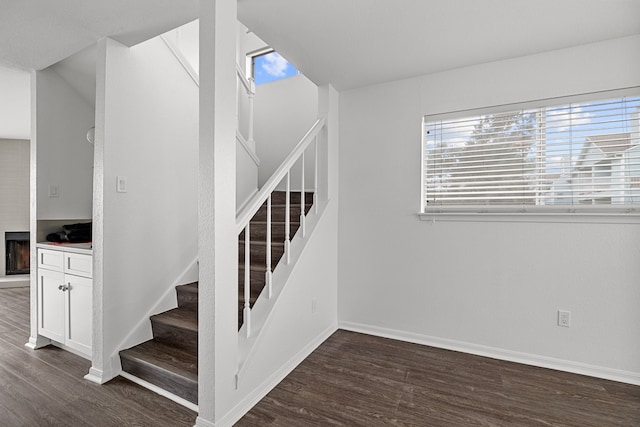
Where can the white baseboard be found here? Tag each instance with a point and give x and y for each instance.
(498, 353)
(200, 422)
(37, 342)
(14, 281)
(260, 392)
(96, 376)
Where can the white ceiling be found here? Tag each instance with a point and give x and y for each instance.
(348, 43)
(35, 34)
(352, 43)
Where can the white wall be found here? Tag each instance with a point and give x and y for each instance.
(64, 157)
(14, 190)
(284, 111)
(15, 104)
(146, 131)
(485, 287)
(186, 39)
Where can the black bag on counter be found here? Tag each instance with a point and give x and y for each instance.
(72, 233)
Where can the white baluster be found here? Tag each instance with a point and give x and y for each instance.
(246, 313)
(315, 178)
(287, 220)
(268, 273)
(302, 197)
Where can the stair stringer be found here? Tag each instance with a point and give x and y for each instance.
(264, 307)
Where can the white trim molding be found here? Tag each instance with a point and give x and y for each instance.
(97, 376)
(175, 50)
(532, 217)
(497, 353)
(162, 392)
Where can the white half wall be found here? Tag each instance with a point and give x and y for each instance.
(304, 316)
(482, 284)
(64, 157)
(148, 135)
(15, 104)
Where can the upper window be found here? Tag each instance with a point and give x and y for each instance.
(269, 65)
(560, 157)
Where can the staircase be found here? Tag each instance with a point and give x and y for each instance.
(170, 359)
(258, 242)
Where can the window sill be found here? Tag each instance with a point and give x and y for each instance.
(534, 217)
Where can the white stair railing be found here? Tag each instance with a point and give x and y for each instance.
(264, 195)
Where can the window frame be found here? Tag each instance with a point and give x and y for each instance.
(525, 213)
(250, 63)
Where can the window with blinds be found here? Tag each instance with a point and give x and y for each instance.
(564, 157)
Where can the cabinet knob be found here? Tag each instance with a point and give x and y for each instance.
(63, 288)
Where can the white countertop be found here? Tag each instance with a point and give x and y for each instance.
(77, 248)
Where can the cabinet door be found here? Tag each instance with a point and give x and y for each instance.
(78, 316)
(51, 305)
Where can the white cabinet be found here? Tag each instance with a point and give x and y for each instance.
(65, 295)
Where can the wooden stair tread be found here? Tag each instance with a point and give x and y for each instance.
(165, 357)
(182, 318)
(165, 366)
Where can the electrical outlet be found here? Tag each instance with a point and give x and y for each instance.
(314, 306)
(564, 318)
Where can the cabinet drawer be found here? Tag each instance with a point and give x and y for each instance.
(78, 264)
(51, 260)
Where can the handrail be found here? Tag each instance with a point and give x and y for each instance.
(249, 86)
(175, 50)
(256, 201)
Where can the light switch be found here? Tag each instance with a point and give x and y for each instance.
(54, 191)
(121, 184)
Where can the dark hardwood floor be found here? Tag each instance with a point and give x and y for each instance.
(350, 380)
(360, 380)
(46, 387)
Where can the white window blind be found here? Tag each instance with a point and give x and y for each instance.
(571, 156)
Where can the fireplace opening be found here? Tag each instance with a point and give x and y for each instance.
(17, 252)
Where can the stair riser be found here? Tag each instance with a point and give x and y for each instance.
(278, 213)
(176, 384)
(188, 300)
(259, 231)
(279, 197)
(178, 337)
(258, 254)
(257, 278)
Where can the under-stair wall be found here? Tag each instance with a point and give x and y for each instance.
(145, 237)
(304, 311)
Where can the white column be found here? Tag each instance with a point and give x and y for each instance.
(218, 253)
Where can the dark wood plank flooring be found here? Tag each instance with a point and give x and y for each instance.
(350, 380)
(46, 387)
(360, 380)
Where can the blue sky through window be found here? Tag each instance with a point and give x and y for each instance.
(270, 67)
